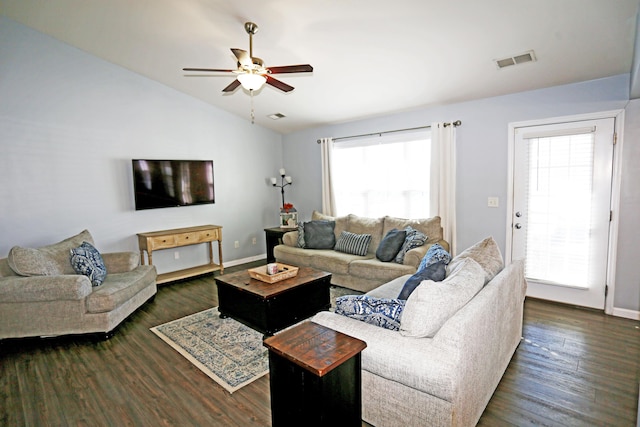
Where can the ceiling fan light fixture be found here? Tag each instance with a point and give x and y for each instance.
(251, 81)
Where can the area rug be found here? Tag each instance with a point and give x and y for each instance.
(229, 352)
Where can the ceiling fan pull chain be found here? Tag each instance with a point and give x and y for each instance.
(252, 112)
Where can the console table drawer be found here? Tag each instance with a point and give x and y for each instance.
(208, 235)
(187, 239)
(162, 242)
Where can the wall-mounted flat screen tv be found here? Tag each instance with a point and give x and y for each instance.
(171, 183)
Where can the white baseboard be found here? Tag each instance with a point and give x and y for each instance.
(629, 314)
(245, 260)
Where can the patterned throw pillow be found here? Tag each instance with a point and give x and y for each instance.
(351, 243)
(414, 239)
(434, 272)
(390, 245)
(435, 254)
(301, 243)
(383, 312)
(86, 260)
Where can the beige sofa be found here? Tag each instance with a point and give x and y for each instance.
(67, 303)
(361, 273)
(446, 379)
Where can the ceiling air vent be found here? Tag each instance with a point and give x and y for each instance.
(515, 60)
(276, 116)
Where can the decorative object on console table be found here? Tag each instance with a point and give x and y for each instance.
(288, 214)
(315, 377)
(166, 239)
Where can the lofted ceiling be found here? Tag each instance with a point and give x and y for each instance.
(370, 57)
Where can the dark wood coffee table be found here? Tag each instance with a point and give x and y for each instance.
(271, 307)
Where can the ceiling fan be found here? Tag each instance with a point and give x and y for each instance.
(251, 72)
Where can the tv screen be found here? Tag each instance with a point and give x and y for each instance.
(170, 183)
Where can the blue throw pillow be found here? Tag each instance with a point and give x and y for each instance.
(319, 234)
(390, 245)
(86, 260)
(383, 312)
(300, 242)
(435, 272)
(435, 253)
(414, 239)
(354, 244)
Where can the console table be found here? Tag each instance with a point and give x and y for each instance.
(166, 239)
(315, 377)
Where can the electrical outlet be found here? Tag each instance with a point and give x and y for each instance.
(493, 202)
(254, 241)
(176, 255)
(236, 244)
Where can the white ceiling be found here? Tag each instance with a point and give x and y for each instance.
(370, 57)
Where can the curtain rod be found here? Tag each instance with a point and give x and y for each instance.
(456, 123)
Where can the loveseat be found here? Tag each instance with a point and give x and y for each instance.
(360, 272)
(42, 295)
(442, 367)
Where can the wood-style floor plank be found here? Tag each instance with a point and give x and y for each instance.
(574, 367)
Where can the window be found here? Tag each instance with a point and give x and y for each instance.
(383, 175)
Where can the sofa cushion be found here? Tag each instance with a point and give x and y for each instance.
(430, 227)
(435, 253)
(435, 272)
(382, 312)
(333, 261)
(351, 243)
(390, 245)
(413, 239)
(361, 225)
(319, 234)
(119, 288)
(374, 269)
(486, 253)
(342, 222)
(48, 260)
(85, 259)
(432, 303)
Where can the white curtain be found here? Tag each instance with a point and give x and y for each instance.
(443, 179)
(328, 196)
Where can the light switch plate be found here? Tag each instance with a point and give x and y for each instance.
(493, 202)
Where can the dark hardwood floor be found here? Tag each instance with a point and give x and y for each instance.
(574, 367)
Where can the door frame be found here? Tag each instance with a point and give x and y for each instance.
(618, 116)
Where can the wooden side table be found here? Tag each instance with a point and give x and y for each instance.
(273, 237)
(315, 377)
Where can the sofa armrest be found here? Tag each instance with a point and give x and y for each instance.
(44, 288)
(290, 238)
(121, 262)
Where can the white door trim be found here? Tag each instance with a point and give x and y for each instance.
(618, 115)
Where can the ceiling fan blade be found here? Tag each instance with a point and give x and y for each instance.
(278, 84)
(234, 84)
(243, 57)
(216, 70)
(303, 68)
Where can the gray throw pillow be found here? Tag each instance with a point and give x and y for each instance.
(319, 234)
(434, 272)
(390, 245)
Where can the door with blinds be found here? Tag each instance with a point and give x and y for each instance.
(562, 209)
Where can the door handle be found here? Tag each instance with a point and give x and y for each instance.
(518, 226)
(518, 214)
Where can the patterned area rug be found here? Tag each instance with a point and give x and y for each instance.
(229, 352)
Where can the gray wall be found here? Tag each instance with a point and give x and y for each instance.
(482, 159)
(71, 123)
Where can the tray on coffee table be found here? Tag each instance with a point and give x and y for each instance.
(285, 271)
